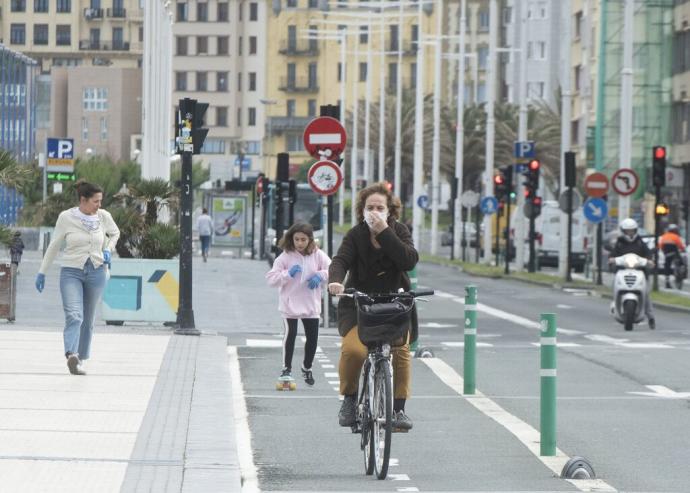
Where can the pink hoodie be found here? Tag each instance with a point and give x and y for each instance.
(295, 299)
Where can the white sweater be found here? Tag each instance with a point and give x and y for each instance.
(81, 244)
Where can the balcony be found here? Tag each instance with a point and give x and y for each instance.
(93, 14)
(280, 124)
(298, 84)
(87, 44)
(116, 13)
(409, 48)
(302, 47)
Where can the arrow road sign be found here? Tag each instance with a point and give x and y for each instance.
(423, 201)
(625, 181)
(595, 210)
(489, 205)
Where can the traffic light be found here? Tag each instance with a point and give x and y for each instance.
(570, 170)
(536, 206)
(189, 131)
(499, 186)
(389, 186)
(532, 175)
(659, 166)
(662, 209)
(198, 131)
(507, 172)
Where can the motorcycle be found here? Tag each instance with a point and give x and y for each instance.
(680, 271)
(629, 289)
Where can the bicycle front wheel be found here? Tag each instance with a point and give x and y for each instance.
(382, 413)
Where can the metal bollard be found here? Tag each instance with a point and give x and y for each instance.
(547, 373)
(470, 351)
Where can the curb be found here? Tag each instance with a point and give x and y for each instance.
(662, 306)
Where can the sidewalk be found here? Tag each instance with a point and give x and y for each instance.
(154, 413)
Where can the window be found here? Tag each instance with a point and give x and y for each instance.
(507, 15)
(252, 147)
(394, 37)
(239, 10)
(578, 24)
(313, 4)
(252, 81)
(40, 5)
(223, 11)
(291, 4)
(180, 81)
(239, 45)
(84, 129)
(363, 34)
(253, 11)
(483, 20)
(251, 117)
(311, 107)
(392, 76)
(481, 92)
(64, 6)
(17, 34)
(182, 11)
(340, 72)
(40, 34)
(95, 98)
(63, 36)
(295, 142)
(118, 38)
(252, 45)
(202, 12)
(483, 55)
(18, 6)
(239, 81)
(221, 116)
(362, 71)
(202, 81)
(104, 128)
(290, 107)
(223, 46)
(202, 45)
(239, 117)
(578, 76)
(141, 34)
(221, 81)
(413, 75)
(541, 50)
(181, 45)
(575, 131)
(414, 34)
(530, 50)
(312, 75)
(213, 146)
(535, 90)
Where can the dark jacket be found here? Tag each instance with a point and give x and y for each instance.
(372, 270)
(16, 250)
(637, 246)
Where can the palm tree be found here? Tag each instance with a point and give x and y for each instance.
(13, 174)
(155, 193)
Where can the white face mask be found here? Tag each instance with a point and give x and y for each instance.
(369, 216)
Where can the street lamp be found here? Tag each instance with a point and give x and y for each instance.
(267, 103)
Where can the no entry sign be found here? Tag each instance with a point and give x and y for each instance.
(325, 177)
(325, 138)
(596, 185)
(625, 181)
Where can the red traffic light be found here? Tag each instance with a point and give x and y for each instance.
(389, 186)
(659, 152)
(534, 164)
(536, 201)
(499, 180)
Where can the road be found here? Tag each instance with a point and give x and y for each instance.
(623, 398)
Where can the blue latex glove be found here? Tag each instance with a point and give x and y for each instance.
(40, 282)
(314, 281)
(294, 270)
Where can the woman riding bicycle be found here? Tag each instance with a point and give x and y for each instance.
(375, 255)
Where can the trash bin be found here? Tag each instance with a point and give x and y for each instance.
(8, 290)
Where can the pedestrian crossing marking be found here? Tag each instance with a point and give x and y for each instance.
(264, 343)
(560, 344)
(462, 344)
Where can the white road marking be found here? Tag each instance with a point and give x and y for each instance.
(331, 374)
(398, 477)
(327, 366)
(664, 392)
(334, 382)
(462, 344)
(392, 462)
(565, 307)
(529, 437)
(435, 325)
(560, 344)
(407, 488)
(624, 342)
(250, 481)
(264, 343)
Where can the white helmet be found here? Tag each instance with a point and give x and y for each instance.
(629, 228)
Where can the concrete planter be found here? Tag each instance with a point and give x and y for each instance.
(142, 290)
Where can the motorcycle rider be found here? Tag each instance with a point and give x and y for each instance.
(631, 242)
(672, 245)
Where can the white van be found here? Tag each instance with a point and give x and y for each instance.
(548, 225)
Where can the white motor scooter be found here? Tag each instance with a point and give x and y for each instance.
(629, 289)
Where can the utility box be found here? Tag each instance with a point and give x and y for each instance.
(8, 290)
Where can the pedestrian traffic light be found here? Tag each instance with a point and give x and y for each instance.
(198, 131)
(189, 131)
(659, 166)
(536, 206)
(499, 186)
(570, 170)
(507, 172)
(662, 209)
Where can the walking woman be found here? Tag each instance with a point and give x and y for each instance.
(89, 234)
(375, 255)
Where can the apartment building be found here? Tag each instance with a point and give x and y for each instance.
(219, 58)
(74, 32)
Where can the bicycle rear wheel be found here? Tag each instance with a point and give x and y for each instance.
(382, 411)
(366, 419)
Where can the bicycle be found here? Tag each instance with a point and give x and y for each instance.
(381, 319)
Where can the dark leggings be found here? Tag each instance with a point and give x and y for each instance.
(311, 330)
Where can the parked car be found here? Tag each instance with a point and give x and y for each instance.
(470, 235)
(548, 224)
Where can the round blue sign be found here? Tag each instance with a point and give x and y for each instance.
(423, 201)
(489, 205)
(595, 210)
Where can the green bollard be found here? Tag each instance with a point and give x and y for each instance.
(413, 286)
(547, 374)
(470, 361)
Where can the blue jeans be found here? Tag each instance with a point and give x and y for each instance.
(81, 290)
(205, 242)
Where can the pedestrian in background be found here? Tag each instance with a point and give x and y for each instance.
(299, 272)
(204, 225)
(16, 248)
(375, 255)
(90, 235)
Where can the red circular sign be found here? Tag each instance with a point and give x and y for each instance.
(325, 177)
(625, 181)
(596, 185)
(260, 185)
(325, 138)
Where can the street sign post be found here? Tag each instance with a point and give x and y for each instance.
(625, 181)
(489, 205)
(325, 177)
(596, 185)
(325, 138)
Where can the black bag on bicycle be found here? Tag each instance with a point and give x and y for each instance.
(385, 320)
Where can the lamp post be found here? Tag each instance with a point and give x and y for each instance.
(267, 103)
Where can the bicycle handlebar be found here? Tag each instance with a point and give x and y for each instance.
(414, 294)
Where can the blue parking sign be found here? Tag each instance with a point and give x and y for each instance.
(60, 155)
(489, 205)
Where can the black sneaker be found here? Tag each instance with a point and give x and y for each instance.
(308, 377)
(346, 416)
(401, 421)
(652, 324)
(74, 366)
(286, 372)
